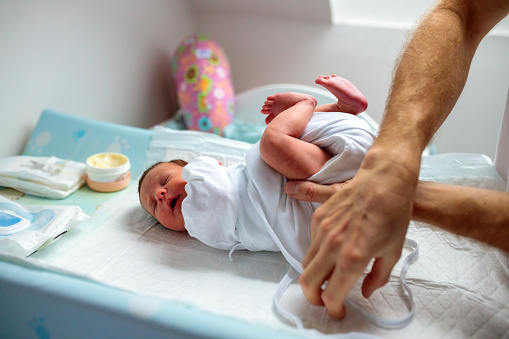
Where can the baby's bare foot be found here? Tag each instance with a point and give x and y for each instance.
(280, 102)
(350, 99)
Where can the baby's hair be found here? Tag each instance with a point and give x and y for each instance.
(179, 162)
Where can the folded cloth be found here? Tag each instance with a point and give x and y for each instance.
(48, 177)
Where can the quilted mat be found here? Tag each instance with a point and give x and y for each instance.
(461, 287)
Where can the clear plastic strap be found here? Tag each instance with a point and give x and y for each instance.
(287, 280)
(293, 275)
(233, 249)
(405, 320)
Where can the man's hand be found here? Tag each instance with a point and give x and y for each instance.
(362, 219)
(368, 218)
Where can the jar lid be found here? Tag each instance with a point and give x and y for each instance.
(107, 167)
(107, 160)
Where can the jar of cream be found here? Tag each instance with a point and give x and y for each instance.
(108, 172)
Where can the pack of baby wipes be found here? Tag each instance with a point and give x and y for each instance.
(25, 229)
(48, 177)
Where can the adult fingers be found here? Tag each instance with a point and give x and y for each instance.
(349, 266)
(326, 218)
(321, 224)
(321, 258)
(309, 191)
(315, 242)
(319, 261)
(379, 275)
(313, 277)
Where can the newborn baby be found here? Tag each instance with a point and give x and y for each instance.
(244, 206)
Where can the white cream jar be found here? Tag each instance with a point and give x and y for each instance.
(108, 172)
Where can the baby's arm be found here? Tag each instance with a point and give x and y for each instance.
(280, 146)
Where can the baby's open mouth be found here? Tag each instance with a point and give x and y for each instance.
(173, 202)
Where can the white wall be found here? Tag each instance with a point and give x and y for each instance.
(109, 60)
(267, 50)
(270, 49)
(105, 60)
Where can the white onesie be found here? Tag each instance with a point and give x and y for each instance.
(246, 207)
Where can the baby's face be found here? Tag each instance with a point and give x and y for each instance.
(161, 194)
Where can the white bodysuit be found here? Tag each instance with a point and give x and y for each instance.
(246, 207)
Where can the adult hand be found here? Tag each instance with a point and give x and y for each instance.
(363, 219)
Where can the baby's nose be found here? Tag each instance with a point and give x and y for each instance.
(160, 195)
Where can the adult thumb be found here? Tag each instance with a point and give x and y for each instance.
(310, 191)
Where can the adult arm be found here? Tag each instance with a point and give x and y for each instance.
(369, 218)
(475, 213)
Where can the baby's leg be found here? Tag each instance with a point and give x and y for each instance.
(280, 146)
(350, 99)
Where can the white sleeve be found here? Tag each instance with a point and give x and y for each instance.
(345, 137)
(210, 208)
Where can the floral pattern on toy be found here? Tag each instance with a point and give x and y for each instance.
(202, 77)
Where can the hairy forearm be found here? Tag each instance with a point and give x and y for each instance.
(428, 79)
(475, 213)
(433, 68)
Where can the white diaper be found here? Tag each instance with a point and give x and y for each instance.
(48, 177)
(25, 229)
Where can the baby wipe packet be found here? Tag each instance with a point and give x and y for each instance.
(25, 229)
(48, 177)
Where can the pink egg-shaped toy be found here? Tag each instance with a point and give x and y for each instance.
(202, 78)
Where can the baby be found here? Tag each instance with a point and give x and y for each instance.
(244, 206)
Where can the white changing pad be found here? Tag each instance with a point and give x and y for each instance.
(129, 250)
(460, 287)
